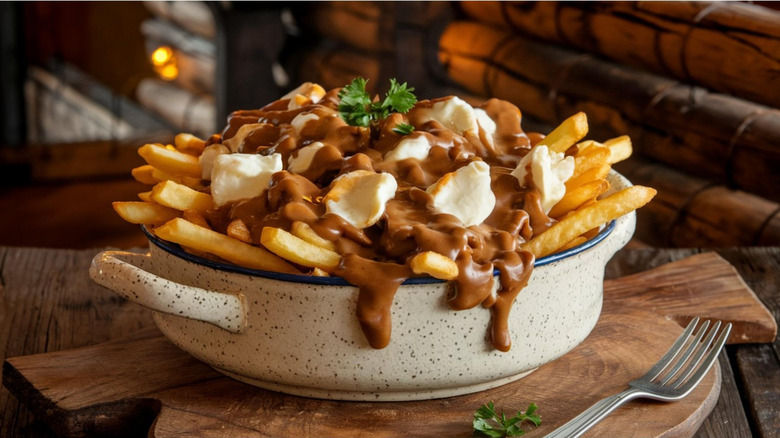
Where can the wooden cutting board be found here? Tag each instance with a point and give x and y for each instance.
(145, 384)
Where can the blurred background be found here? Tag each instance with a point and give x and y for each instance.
(695, 84)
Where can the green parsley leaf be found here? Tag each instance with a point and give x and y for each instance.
(403, 129)
(399, 97)
(357, 109)
(488, 422)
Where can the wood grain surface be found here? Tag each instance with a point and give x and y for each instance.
(108, 388)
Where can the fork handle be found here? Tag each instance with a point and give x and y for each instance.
(591, 416)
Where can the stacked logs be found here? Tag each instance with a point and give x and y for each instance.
(724, 150)
(683, 40)
(375, 40)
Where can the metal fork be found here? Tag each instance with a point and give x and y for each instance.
(671, 379)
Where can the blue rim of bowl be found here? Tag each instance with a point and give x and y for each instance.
(176, 250)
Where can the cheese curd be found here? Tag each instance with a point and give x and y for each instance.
(414, 146)
(454, 113)
(235, 177)
(548, 173)
(301, 160)
(360, 197)
(465, 193)
(301, 120)
(207, 158)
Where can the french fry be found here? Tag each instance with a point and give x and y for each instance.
(144, 213)
(297, 250)
(305, 232)
(196, 218)
(592, 174)
(237, 229)
(143, 174)
(579, 240)
(174, 195)
(193, 183)
(434, 264)
(619, 148)
(317, 272)
(592, 216)
(171, 161)
(198, 238)
(189, 144)
(572, 130)
(579, 196)
(585, 144)
(591, 157)
(145, 196)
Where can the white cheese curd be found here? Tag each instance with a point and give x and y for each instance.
(307, 91)
(359, 197)
(300, 121)
(301, 160)
(549, 172)
(487, 124)
(206, 159)
(414, 146)
(235, 141)
(242, 176)
(465, 193)
(454, 113)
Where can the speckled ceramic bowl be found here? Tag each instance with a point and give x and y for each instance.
(299, 334)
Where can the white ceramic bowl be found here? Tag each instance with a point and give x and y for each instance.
(299, 334)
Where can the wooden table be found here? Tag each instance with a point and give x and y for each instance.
(48, 303)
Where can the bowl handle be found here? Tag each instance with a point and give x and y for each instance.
(624, 230)
(124, 273)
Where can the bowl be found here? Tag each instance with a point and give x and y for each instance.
(299, 334)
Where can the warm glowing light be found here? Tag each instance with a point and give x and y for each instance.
(161, 55)
(169, 72)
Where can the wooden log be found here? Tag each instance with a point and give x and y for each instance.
(685, 40)
(723, 138)
(354, 23)
(690, 211)
(336, 67)
(370, 26)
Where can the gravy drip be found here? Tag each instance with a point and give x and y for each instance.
(376, 259)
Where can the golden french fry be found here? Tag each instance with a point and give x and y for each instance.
(297, 250)
(145, 213)
(171, 161)
(619, 148)
(178, 196)
(578, 196)
(203, 239)
(572, 130)
(592, 174)
(143, 174)
(317, 272)
(189, 144)
(579, 240)
(145, 196)
(305, 232)
(585, 144)
(434, 264)
(237, 229)
(592, 216)
(196, 218)
(193, 183)
(592, 157)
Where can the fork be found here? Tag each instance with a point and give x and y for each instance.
(671, 379)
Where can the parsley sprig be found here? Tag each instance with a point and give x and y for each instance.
(357, 108)
(403, 129)
(488, 422)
